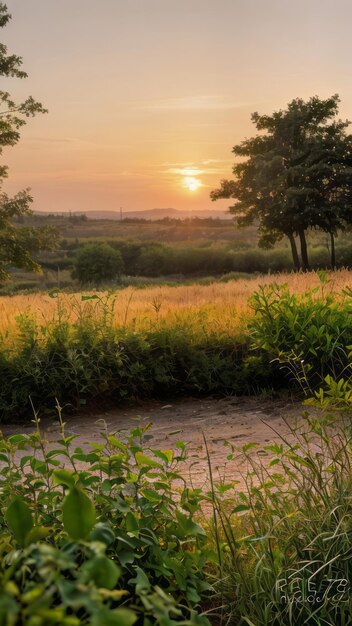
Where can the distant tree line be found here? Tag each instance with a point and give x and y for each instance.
(98, 263)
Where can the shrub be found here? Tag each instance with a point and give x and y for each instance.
(307, 335)
(96, 263)
(155, 260)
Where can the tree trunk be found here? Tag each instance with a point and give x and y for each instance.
(304, 251)
(295, 257)
(333, 251)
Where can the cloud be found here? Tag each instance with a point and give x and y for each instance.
(194, 170)
(194, 103)
(184, 171)
(209, 161)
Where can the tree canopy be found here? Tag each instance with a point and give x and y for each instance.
(17, 244)
(296, 175)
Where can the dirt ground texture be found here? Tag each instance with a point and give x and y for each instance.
(237, 420)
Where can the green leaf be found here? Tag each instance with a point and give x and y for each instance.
(103, 571)
(19, 519)
(14, 439)
(64, 477)
(188, 527)
(249, 446)
(132, 524)
(146, 461)
(239, 508)
(78, 514)
(141, 580)
(165, 455)
(92, 297)
(36, 534)
(103, 533)
(116, 617)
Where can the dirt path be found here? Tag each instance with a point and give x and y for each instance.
(237, 420)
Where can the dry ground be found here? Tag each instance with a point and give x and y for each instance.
(237, 420)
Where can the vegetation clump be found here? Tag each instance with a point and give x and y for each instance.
(104, 536)
(97, 263)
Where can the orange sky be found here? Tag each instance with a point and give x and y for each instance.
(147, 97)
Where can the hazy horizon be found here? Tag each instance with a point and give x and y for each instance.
(147, 99)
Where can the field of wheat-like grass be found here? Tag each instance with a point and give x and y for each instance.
(217, 307)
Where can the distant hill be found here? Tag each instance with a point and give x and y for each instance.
(151, 214)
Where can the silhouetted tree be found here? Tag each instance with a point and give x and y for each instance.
(17, 244)
(296, 175)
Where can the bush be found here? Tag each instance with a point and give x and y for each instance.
(308, 335)
(155, 260)
(96, 263)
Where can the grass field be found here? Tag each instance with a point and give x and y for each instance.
(218, 307)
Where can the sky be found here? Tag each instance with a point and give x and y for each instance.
(146, 98)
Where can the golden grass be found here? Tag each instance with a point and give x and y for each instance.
(218, 307)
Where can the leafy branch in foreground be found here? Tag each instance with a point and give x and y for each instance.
(17, 244)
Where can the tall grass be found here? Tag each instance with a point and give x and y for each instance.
(167, 342)
(286, 539)
(91, 357)
(223, 304)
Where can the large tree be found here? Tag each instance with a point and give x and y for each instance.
(296, 175)
(17, 244)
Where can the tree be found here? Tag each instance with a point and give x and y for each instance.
(96, 263)
(296, 175)
(17, 244)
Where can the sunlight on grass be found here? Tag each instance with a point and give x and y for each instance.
(219, 307)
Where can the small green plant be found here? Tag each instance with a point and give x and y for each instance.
(102, 536)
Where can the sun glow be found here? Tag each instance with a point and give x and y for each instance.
(191, 183)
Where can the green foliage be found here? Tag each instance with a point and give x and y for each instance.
(292, 340)
(78, 514)
(296, 174)
(111, 538)
(307, 335)
(111, 534)
(19, 520)
(96, 263)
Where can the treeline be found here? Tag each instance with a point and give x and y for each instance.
(155, 259)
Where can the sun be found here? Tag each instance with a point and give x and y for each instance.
(191, 183)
